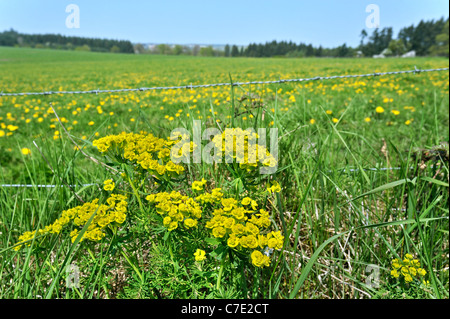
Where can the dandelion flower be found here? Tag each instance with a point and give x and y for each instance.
(26, 151)
(379, 110)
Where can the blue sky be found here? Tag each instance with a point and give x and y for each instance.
(322, 22)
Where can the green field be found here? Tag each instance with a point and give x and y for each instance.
(362, 169)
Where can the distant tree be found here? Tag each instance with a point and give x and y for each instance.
(344, 51)
(9, 38)
(83, 47)
(397, 47)
(441, 48)
(319, 52)
(178, 49)
(163, 49)
(234, 51)
(227, 50)
(139, 48)
(422, 38)
(196, 50)
(206, 51)
(363, 36)
(377, 42)
(114, 49)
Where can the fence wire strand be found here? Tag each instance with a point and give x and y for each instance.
(281, 81)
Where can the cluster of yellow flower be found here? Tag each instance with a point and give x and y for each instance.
(113, 212)
(176, 209)
(242, 146)
(408, 268)
(242, 224)
(198, 185)
(208, 198)
(146, 150)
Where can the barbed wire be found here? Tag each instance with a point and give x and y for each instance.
(344, 170)
(43, 185)
(281, 81)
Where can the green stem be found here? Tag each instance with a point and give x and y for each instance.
(222, 265)
(136, 194)
(124, 254)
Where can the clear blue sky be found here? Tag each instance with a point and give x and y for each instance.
(322, 22)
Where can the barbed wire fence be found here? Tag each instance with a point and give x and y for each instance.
(281, 81)
(191, 87)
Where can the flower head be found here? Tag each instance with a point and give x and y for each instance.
(109, 185)
(200, 255)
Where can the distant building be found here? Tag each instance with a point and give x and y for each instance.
(383, 54)
(410, 54)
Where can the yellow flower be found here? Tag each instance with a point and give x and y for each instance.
(422, 272)
(246, 201)
(259, 259)
(26, 151)
(415, 263)
(395, 112)
(173, 225)
(109, 185)
(198, 185)
(200, 255)
(367, 119)
(379, 109)
(335, 120)
(394, 273)
(274, 188)
(91, 123)
(218, 232)
(408, 122)
(189, 222)
(312, 121)
(408, 278)
(233, 241)
(396, 264)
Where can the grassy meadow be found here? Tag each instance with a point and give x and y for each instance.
(358, 206)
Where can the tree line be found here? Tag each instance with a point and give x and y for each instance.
(427, 38)
(57, 41)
